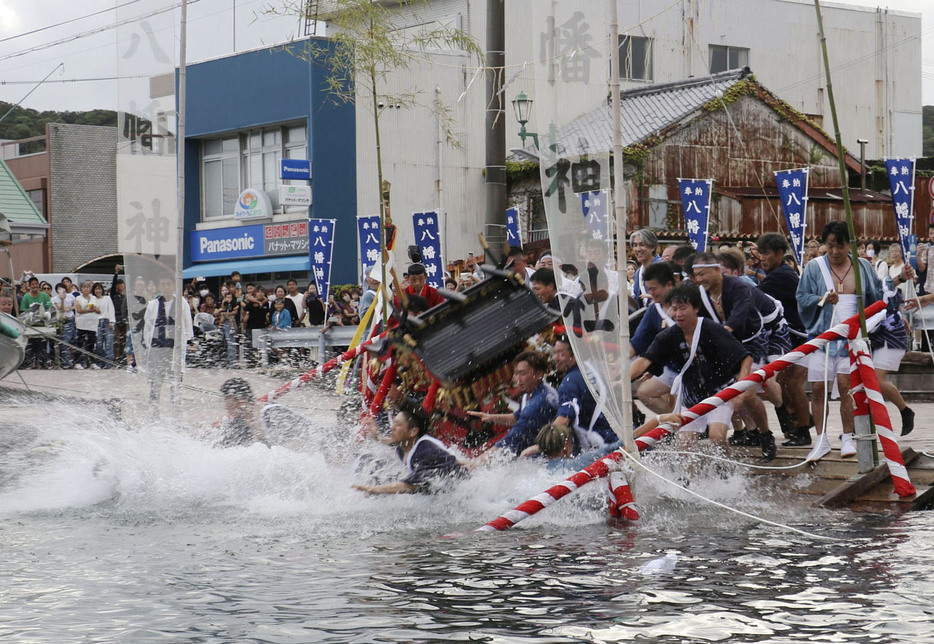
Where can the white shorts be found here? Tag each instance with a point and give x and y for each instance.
(887, 359)
(835, 366)
(722, 414)
(668, 377)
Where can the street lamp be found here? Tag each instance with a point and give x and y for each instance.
(522, 105)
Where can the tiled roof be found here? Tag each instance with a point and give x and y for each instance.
(15, 204)
(645, 111)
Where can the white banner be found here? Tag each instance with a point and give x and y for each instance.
(147, 202)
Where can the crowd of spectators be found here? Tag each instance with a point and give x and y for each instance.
(95, 323)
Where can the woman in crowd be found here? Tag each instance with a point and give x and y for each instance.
(811, 251)
(255, 314)
(349, 315)
(790, 260)
(104, 345)
(282, 294)
(334, 316)
(894, 269)
(87, 315)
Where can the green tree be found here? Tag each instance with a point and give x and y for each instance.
(927, 130)
(24, 123)
(369, 42)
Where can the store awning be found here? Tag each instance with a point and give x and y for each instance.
(249, 266)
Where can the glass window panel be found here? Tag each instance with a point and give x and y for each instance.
(635, 58)
(36, 197)
(231, 184)
(213, 189)
(739, 57)
(256, 141)
(211, 147)
(718, 59)
(296, 135)
(256, 170)
(272, 137)
(232, 145)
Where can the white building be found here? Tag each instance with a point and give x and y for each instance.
(558, 54)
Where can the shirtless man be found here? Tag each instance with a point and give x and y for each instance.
(831, 278)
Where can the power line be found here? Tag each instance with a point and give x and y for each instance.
(93, 79)
(92, 32)
(67, 22)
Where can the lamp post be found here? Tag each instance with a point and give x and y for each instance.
(862, 164)
(522, 105)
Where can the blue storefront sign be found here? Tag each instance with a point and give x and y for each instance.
(295, 169)
(258, 240)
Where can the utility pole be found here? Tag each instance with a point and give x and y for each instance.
(495, 167)
(178, 352)
(619, 207)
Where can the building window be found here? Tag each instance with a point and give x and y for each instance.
(296, 147)
(262, 152)
(36, 196)
(723, 58)
(221, 176)
(658, 207)
(635, 58)
(249, 159)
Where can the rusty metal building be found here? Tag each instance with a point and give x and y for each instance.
(729, 128)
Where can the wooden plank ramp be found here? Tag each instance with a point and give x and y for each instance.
(836, 482)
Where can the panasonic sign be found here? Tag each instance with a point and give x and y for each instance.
(227, 243)
(256, 240)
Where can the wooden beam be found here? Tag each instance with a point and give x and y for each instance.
(849, 491)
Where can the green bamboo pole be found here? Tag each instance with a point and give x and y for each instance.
(854, 253)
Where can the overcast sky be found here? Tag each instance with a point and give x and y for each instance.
(25, 58)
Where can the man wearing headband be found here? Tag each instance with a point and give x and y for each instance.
(754, 319)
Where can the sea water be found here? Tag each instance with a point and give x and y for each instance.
(111, 533)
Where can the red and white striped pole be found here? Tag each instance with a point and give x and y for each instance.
(538, 503)
(864, 385)
(845, 330)
(321, 369)
(600, 468)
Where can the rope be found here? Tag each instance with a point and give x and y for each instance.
(117, 365)
(751, 466)
(723, 506)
